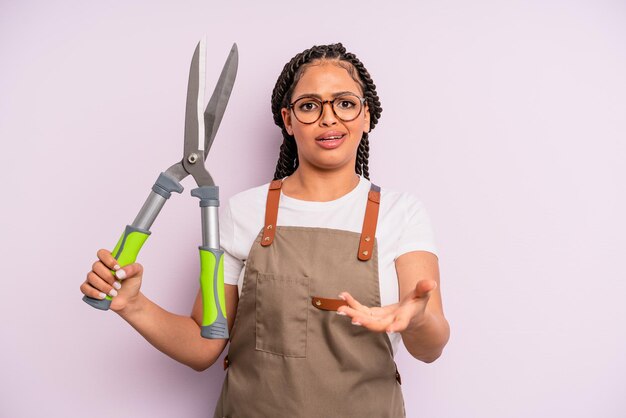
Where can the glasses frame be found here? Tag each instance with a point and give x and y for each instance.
(332, 106)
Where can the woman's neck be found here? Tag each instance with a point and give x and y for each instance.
(319, 186)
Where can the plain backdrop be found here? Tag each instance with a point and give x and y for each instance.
(506, 118)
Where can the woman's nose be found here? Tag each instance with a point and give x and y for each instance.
(328, 115)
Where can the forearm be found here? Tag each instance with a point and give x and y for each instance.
(175, 335)
(426, 339)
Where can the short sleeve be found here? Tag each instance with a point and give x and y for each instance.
(417, 232)
(232, 264)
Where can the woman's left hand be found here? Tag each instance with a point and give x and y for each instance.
(391, 318)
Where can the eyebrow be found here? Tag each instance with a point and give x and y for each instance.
(317, 96)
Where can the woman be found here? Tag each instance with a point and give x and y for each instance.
(329, 241)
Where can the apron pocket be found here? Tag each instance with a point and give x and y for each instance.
(282, 304)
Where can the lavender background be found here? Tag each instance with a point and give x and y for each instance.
(506, 118)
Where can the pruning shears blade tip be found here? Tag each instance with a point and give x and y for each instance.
(219, 99)
(194, 119)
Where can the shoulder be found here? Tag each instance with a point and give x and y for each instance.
(396, 202)
(257, 192)
(242, 219)
(250, 198)
(246, 207)
(404, 217)
(405, 212)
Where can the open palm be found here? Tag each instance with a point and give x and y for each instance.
(390, 318)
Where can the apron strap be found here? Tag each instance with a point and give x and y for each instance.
(368, 233)
(271, 212)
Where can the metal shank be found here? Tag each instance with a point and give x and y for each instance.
(149, 211)
(209, 203)
(162, 189)
(210, 227)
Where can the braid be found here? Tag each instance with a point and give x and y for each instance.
(281, 97)
(288, 159)
(369, 89)
(362, 156)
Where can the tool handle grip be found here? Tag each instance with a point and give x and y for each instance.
(125, 252)
(214, 323)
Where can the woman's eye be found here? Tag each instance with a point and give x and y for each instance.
(346, 104)
(307, 106)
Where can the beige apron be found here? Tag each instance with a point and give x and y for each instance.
(290, 354)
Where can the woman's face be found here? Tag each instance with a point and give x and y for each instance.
(329, 143)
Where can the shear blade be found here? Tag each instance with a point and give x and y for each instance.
(194, 125)
(219, 99)
(200, 130)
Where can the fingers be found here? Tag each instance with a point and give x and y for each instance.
(395, 321)
(391, 318)
(374, 319)
(106, 275)
(424, 287)
(108, 262)
(103, 272)
(90, 291)
(100, 282)
(355, 310)
(107, 259)
(353, 303)
(129, 271)
(357, 307)
(367, 320)
(100, 285)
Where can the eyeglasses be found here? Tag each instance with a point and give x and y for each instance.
(346, 107)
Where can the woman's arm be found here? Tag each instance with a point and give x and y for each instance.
(418, 316)
(427, 333)
(178, 336)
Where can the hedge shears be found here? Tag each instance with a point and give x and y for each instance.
(200, 132)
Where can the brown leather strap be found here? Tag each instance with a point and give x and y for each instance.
(271, 212)
(368, 234)
(227, 363)
(327, 304)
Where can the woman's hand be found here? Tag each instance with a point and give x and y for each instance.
(123, 286)
(391, 318)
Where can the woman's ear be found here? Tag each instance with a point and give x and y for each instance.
(286, 114)
(366, 128)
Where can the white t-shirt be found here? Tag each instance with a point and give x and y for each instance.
(403, 226)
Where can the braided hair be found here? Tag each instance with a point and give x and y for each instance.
(281, 97)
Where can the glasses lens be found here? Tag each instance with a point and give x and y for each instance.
(307, 109)
(347, 107)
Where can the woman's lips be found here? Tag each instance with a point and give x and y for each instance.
(330, 140)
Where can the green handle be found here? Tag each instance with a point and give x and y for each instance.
(214, 323)
(125, 252)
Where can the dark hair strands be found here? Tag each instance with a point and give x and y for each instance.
(281, 97)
